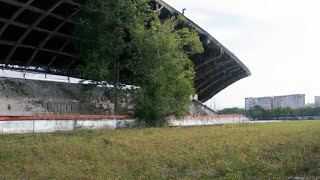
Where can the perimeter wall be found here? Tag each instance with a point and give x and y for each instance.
(47, 124)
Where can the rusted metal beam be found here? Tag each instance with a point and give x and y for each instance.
(37, 10)
(222, 83)
(69, 66)
(74, 3)
(16, 14)
(210, 60)
(222, 78)
(55, 57)
(204, 96)
(203, 74)
(212, 77)
(42, 30)
(32, 27)
(50, 36)
(11, 43)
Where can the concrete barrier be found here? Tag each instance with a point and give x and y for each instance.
(208, 120)
(47, 124)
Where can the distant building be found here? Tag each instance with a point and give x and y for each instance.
(317, 101)
(294, 101)
(264, 102)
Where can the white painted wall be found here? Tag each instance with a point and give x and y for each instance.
(46, 126)
(210, 120)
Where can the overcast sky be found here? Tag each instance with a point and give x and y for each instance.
(279, 40)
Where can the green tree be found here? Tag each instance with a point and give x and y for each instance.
(257, 112)
(162, 68)
(104, 31)
(126, 34)
(234, 110)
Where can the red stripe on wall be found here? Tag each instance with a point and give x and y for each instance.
(66, 117)
(215, 117)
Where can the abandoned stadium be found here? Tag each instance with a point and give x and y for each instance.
(36, 37)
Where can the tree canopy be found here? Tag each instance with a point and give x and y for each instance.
(257, 112)
(127, 42)
(162, 68)
(104, 26)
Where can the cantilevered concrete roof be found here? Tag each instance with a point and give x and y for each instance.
(37, 35)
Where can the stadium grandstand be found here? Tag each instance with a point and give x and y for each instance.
(36, 35)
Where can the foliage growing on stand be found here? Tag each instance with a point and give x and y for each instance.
(104, 34)
(162, 68)
(127, 42)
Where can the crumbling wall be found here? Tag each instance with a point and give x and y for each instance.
(30, 97)
(197, 108)
(21, 97)
(208, 120)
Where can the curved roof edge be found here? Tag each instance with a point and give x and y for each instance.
(37, 36)
(202, 31)
(244, 72)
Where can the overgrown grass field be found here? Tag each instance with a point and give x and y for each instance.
(246, 151)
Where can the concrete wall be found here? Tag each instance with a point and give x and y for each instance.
(197, 108)
(209, 120)
(21, 97)
(32, 106)
(46, 126)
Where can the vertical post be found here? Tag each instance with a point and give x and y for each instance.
(183, 11)
(116, 87)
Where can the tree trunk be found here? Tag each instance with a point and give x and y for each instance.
(116, 88)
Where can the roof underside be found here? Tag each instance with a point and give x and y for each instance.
(37, 35)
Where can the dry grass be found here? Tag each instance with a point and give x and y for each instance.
(246, 151)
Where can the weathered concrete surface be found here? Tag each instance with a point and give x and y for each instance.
(209, 120)
(197, 108)
(22, 97)
(30, 97)
(47, 126)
